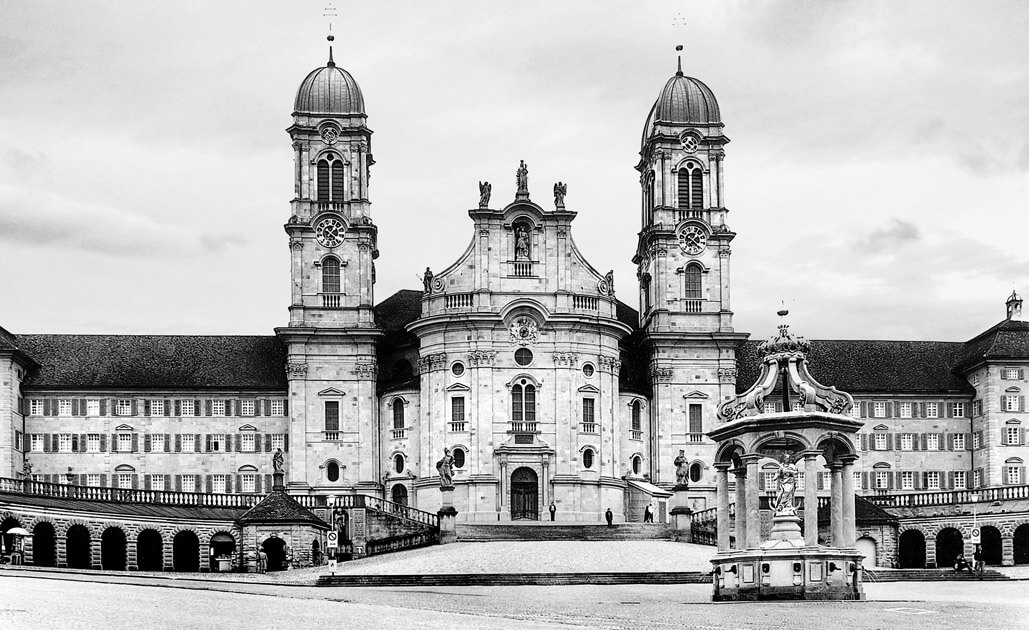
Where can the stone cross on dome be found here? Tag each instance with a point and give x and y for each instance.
(330, 12)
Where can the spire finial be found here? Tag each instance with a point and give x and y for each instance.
(678, 49)
(330, 12)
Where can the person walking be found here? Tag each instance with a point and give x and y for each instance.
(977, 561)
(609, 517)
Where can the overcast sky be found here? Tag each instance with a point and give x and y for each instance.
(878, 173)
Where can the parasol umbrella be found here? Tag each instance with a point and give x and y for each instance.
(18, 531)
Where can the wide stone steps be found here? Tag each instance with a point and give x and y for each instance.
(467, 532)
(928, 575)
(516, 579)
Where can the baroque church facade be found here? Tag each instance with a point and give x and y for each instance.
(518, 359)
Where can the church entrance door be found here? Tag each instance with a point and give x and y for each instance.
(525, 495)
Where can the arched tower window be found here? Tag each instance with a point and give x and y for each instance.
(693, 288)
(398, 413)
(330, 275)
(691, 187)
(636, 416)
(523, 405)
(648, 199)
(330, 178)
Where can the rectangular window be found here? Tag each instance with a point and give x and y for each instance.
(800, 480)
(977, 407)
(187, 408)
(92, 407)
(93, 480)
(959, 480)
(246, 408)
(855, 411)
(696, 419)
(36, 407)
(1009, 374)
(124, 408)
(857, 479)
(64, 408)
(959, 410)
(932, 410)
(156, 407)
(38, 477)
(189, 483)
(798, 406)
(976, 441)
(218, 484)
(882, 479)
(905, 441)
(188, 441)
(959, 441)
(248, 442)
(93, 443)
(932, 480)
(1011, 435)
(278, 408)
(974, 380)
(124, 442)
(218, 407)
(905, 410)
(125, 481)
(278, 441)
(826, 479)
(36, 443)
(880, 441)
(907, 480)
(457, 409)
(977, 478)
(769, 407)
(932, 441)
(64, 443)
(1010, 403)
(880, 410)
(157, 482)
(769, 478)
(1012, 475)
(332, 415)
(157, 443)
(248, 482)
(217, 442)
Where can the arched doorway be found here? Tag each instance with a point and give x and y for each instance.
(275, 549)
(186, 551)
(44, 545)
(992, 547)
(525, 495)
(1021, 544)
(222, 545)
(399, 494)
(10, 541)
(911, 550)
(866, 547)
(112, 549)
(949, 544)
(77, 548)
(149, 551)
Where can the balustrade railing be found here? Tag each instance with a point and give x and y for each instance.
(523, 427)
(331, 300)
(397, 434)
(695, 438)
(458, 300)
(635, 435)
(691, 306)
(398, 543)
(121, 495)
(585, 302)
(331, 436)
(402, 511)
(522, 269)
(949, 497)
(589, 427)
(458, 427)
(328, 206)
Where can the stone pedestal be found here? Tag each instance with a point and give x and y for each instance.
(447, 517)
(681, 515)
(815, 573)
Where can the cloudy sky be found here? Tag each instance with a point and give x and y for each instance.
(878, 174)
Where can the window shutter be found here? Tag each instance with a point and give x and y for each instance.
(82, 442)
(103, 481)
(228, 484)
(135, 481)
(896, 409)
(257, 484)
(239, 484)
(268, 443)
(285, 443)
(285, 407)
(81, 479)
(178, 407)
(178, 482)
(208, 444)
(1021, 474)
(196, 443)
(821, 485)
(267, 483)
(146, 482)
(178, 443)
(74, 443)
(864, 411)
(210, 484)
(146, 408)
(949, 409)
(47, 407)
(950, 479)
(864, 480)
(103, 442)
(146, 445)
(197, 409)
(207, 407)
(114, 442)
(239, 443)
(135, 442)
(103, 406)
(133, 412)
(761, 481)
(925, 442)
(74, 406)
(257, 442)
(261, 407)
(228, 407)
(864, 442)
(968, 441)
(1021, 403)
(925, 479)
(227, 446)
(167, 442)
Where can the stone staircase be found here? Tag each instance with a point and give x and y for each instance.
(927, 575)
(537, 531)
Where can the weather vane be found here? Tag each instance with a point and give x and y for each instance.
(678, 20)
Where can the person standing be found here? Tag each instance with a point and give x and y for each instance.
(553, 510)
(977, 560)
(609, 517)
(648, 515)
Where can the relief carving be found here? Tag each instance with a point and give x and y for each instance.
(296, 369)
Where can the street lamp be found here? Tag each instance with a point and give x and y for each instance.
(974, 498)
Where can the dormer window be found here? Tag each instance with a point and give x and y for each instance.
(330, 178)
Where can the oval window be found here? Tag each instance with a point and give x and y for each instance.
(332, 471)
(398, 463)
(637, 464)
(523, 356)
(587, 458)
(696, 472)
(458, 458)
(587, 370)
(457, 369)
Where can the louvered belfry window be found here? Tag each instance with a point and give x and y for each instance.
(691, 187)
(337, 181)
(330, 179)
(323, 180)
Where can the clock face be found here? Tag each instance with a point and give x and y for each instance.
(692, 239)
(330, 232)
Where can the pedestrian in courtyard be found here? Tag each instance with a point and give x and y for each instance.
(610, 517)
(262, 561)
(977, 560)
(553, 510)
(960, 564)
(648, 515)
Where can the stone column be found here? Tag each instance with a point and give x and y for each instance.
(447, 517)
(810, 500)
(849, 525)
(836, 504)
(722, 514)
(741, 507)
(753, 502)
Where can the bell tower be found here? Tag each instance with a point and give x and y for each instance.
(682, 260)
(331, 336)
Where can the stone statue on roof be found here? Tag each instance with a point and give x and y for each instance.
(522, 177)
(560, 190)
(485, 189)
(427, 280)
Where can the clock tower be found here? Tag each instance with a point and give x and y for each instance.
(682, 260)
(331, 335)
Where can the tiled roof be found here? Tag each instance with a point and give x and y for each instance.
(394, 313)
(872, 366)
(1007, 340)
(146, 510)
(7, 340)
(865, 512)
(155, 362)
(279, 507)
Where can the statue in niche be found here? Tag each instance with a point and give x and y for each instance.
(427, 280)
(682, 473)
(522, 176)
(277, 460)
(445, 467)
(522, 241)
(786, 487)
(485, 189)
(560, 190)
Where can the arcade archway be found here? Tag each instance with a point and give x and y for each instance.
(112, 549)
(992, 545)
(222, 545)
(44, 545)
(949, 544)
(1021, 544)
(275, 549)
(149, 551)
(186, 551)
(911, 550)
(78, 550)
